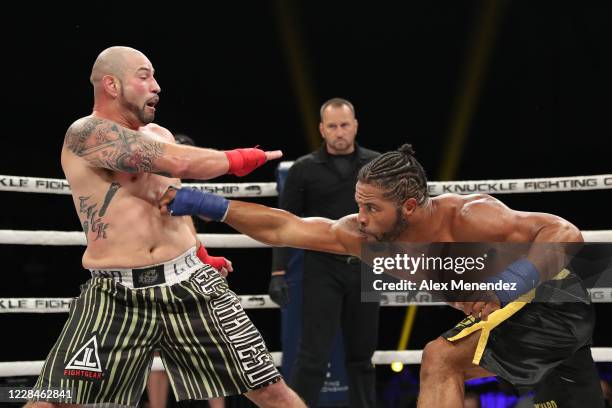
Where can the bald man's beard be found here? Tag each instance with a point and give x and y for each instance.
(140, 112)
(399, 226)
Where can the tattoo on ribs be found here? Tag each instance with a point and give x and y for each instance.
(109, 196)
(105, 144)
(93, 218)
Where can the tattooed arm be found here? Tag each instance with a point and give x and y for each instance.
(106, 144)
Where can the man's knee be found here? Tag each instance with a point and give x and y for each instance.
(44, 404)
(39, 404)
(437, 357)
(271, 394)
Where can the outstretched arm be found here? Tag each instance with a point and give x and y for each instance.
(105, 144)
(281, 228)
(268, 225)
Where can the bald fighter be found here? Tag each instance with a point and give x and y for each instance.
(534, 346)
(149, 290)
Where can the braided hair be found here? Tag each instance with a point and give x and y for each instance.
(399, 174)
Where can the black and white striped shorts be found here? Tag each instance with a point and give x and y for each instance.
(208, 345)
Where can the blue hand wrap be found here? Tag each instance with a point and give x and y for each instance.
(189, 201)
(522, 272)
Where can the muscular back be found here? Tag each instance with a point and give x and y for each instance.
(482, 218)
(470, 218)
(116, 199)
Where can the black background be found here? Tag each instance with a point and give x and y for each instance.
(542, 110)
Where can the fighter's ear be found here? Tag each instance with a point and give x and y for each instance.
(409, 206)
(111, 85)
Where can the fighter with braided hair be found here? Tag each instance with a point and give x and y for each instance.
(532, 345)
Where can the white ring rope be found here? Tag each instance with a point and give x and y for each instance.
(78, 238)
(17, 237)
(390, 299)
(506, 186)
(531, 185)
(62, 305)
(60, 238)
(61, 186)
(32, 368)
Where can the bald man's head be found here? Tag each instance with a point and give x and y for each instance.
(111, 61)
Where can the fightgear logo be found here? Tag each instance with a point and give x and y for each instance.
(85, 362)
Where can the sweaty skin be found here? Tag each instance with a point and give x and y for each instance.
(445, 218)
(119, 164)
(118, 211)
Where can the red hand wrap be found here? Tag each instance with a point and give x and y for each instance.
(216, 262)
(202, 253)
(244, 161)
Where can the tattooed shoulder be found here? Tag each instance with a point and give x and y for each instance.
(79, 132)
(106, 144)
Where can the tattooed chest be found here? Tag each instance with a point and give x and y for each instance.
(93, 214)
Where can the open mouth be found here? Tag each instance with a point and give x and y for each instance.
(151, 103)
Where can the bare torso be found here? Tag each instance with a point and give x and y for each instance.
(120, 215)
(477, 219)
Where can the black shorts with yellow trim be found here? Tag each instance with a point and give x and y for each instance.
(527, 340)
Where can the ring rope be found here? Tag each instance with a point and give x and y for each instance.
(32, 368)
(388, 299)
(78, 238)
(62, 305)
(61, 186)
(19, 237)
(504, 186)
